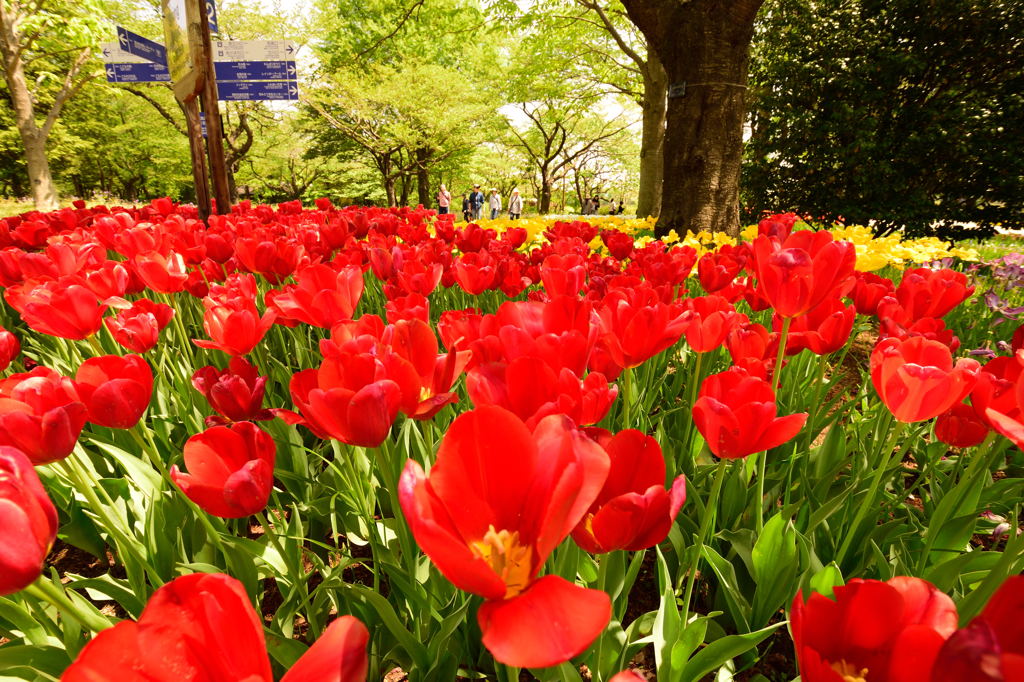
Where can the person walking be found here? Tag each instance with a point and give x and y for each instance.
(467, 207)
(515, 205)
(622, 206)
(444, 200)
(495, 203)
(595, 205)
(476, 200)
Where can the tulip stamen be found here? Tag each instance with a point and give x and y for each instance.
(850, 672)
(507, 557)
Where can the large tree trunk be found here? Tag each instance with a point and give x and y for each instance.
(705, 48)
(44, 192)
(652, 141)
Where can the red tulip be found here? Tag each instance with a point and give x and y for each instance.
(198, 627)
(116, 390)
(235, 327)
(633, 511)
(10, 347)
(339, 655)
(475, 272)
(960, 427)
(498, 501)
(799, 273)
(895, 321)
(322, 296)
(415, 277)
(628, 676)
(235, 393)
(165, 274)
(991, 647)
(270, 256)
(924, 292)
(532, 390)
(40, 414)
(1001, 399)
(996, 389)
(735, 412)
(563, 275)
(410, 356)
(636, 325)
(709, 319)
(230, 470)
(916, 378)
(717, 269)
(868, 290)
(138, 328)
(28, 522)
(112, 279)
(824, 329)
(873, 630)
(349, 399)
(409, 307)
(61, 308)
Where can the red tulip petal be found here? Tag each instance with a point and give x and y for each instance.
(339, 655)
(548, 624)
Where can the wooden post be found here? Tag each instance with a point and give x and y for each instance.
(195, 144)
(214, 129)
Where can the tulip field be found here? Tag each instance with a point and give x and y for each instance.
(339, 444)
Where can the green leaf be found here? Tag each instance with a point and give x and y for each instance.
(718, 653)
(826, 580)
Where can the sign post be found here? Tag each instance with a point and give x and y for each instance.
(211, 108)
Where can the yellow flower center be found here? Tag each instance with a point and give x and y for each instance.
(850, 672)
(509, 559)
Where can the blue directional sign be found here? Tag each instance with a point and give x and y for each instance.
(137, 73)
(254, 71)
(141, 47)
(257, 90)
(211, 15)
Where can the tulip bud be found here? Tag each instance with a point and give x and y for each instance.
(230, 470)
(28, 522)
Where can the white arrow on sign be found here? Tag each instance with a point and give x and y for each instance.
(252, 50)
(113, 54)
(123, 39)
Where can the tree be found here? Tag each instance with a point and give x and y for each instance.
(53, 39)
(704, 46)
(616, 55)
(554, 134)
(904, 113)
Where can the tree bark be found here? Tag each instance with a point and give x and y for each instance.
(44, 193)
(34, 136)
(652, 141)
(704, 46)
(545, 196)
(423, 176)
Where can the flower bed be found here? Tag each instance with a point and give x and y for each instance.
(344, 444)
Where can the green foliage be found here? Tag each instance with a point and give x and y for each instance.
(901, 112)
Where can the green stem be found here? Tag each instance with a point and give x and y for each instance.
(87, 484)
(148, 447)
(46, 591)
(762, 458)
(627, 397)
(709, 514)
(872, 491)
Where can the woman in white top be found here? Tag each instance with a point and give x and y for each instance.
(444, 200)
(515, 205)
(495, 204)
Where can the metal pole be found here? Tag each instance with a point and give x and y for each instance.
(214, 129)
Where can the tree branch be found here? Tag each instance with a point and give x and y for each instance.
(159, 109)
(67, 90)
(394, 32)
